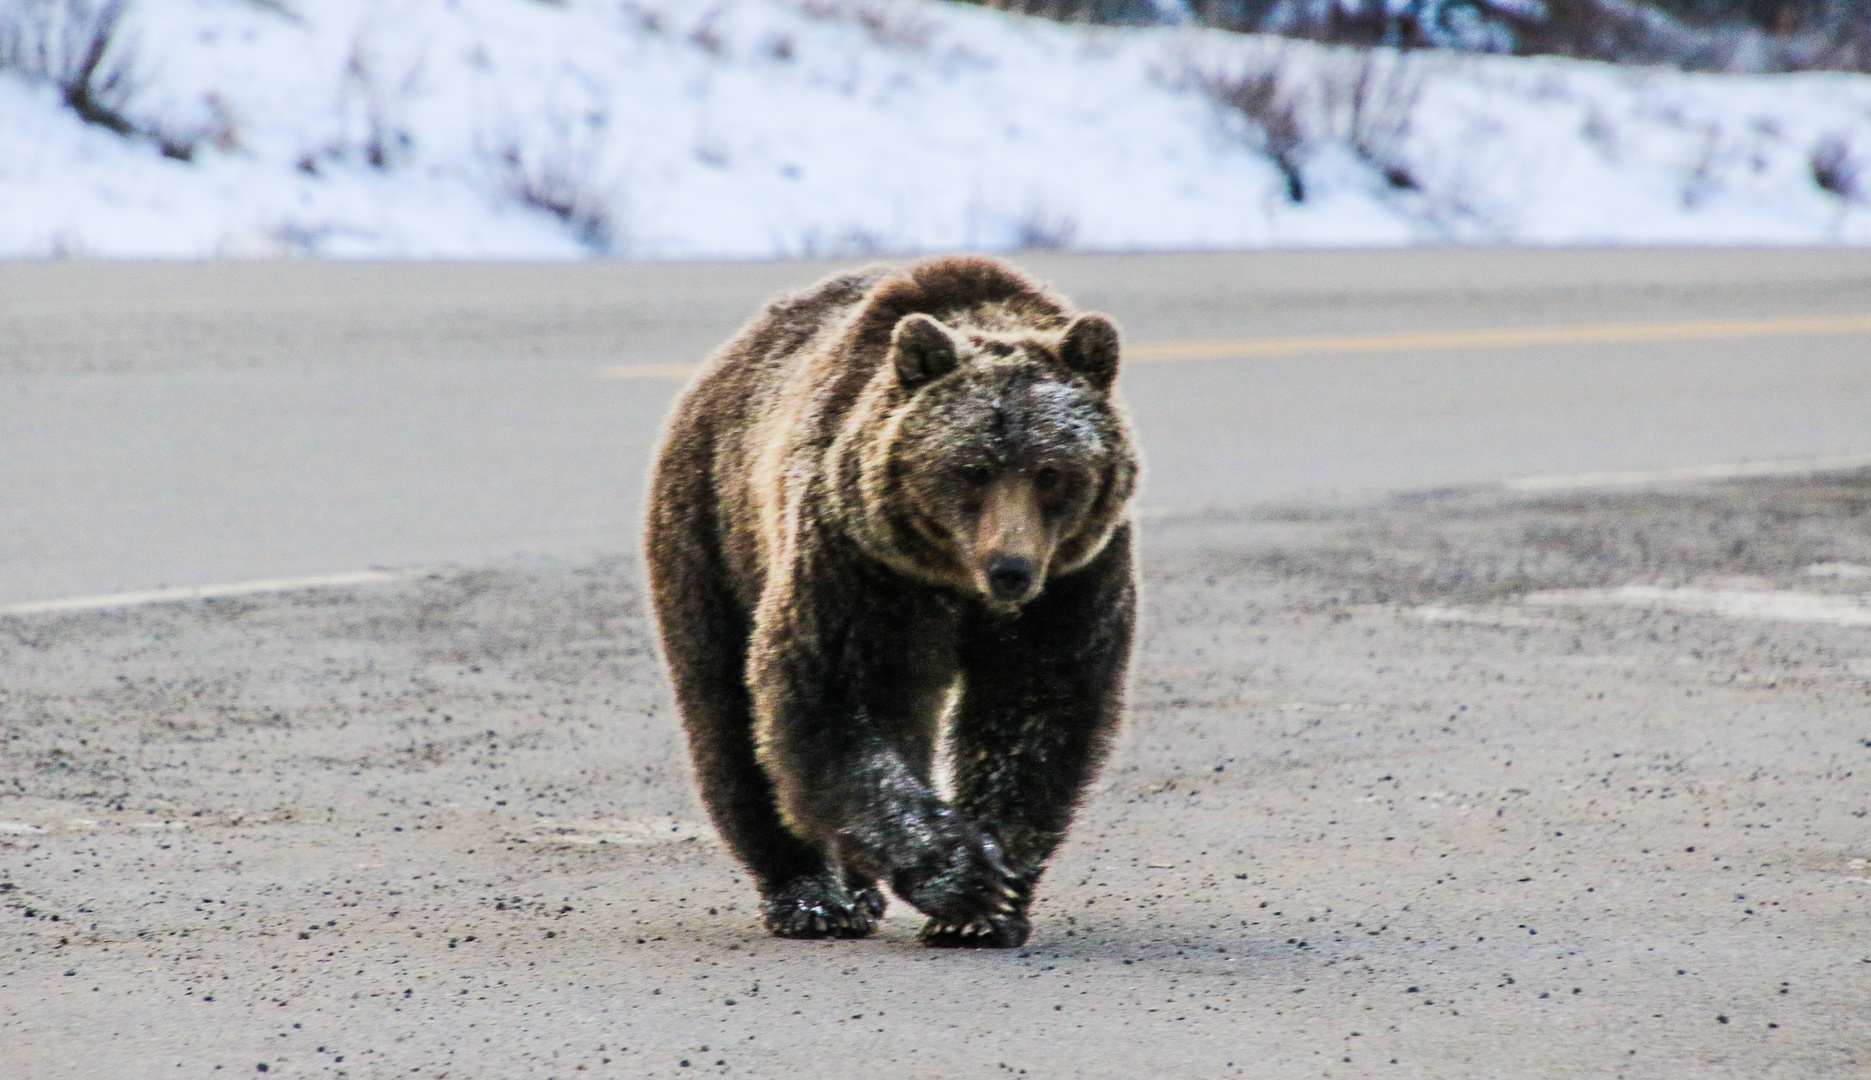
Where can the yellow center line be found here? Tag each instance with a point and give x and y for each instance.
(1504, 337)
(1410, 341)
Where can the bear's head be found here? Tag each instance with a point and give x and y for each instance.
(1002, 457)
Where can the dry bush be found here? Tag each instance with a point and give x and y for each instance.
(1702, 35)
(1696, 35)
(79, 47)
(1836, 169)
(1268, 100)
(1365, 100)
(891, 24)
(1373, 98)
(379, 85)
(1631, 33)
(558, 173)
(1624, 31)
(1043, 228)
(72, 44)
(1840, 41)
(1104, 12)
(562, 189)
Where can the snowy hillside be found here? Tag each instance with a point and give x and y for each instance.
(755, 128)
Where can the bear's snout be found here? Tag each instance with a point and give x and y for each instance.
(1011, 545)
(1011, 577)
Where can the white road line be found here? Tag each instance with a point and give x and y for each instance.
(1778, 606)
(203, 592)
(1729, 471)
(1501, 617)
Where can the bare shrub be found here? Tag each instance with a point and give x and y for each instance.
(1696, 35)
(1267, 100)
(1618, 30)
(1703, 179)
(1372, 97)
(893, 24)
(847, 242)
(1838, 38)
(1631, 33)
(1043, 228)
(649, 20)
(1836, 169)
(1107, 12)
(706, 38)
(75, 46)
(560, 177)
(559, 190)
(1365, 99)
(1470, 25)
(79, 46)
(380, 97)
(223, 130)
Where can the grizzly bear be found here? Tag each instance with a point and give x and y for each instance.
(894, 501)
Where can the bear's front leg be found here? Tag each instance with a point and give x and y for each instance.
(1042, 694)
(848, 687)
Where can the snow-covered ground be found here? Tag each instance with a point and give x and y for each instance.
(757, 128)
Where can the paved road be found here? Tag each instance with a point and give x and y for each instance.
(174, 424)
(1470, 782)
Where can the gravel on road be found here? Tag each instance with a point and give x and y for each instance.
(1408, 789)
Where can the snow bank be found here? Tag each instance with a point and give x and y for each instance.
(760, 128)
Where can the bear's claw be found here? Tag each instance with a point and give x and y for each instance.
(816, 908)
(989, 932)
(968, 884)
(1004, 925)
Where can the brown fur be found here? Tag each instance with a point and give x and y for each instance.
(887, 487)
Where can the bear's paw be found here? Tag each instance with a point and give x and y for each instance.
(817, 907)
(964, 883)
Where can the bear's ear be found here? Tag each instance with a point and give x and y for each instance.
(921, 349)
(1090, 348)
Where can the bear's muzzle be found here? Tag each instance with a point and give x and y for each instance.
(1011, 578)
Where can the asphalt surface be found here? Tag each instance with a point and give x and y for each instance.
(187, 424)
(1408, 786)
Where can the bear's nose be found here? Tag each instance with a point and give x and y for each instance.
(1009, 577)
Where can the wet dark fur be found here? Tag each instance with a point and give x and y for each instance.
(816, 615)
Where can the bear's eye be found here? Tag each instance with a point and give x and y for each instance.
(973, 474)
(1046, 479)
